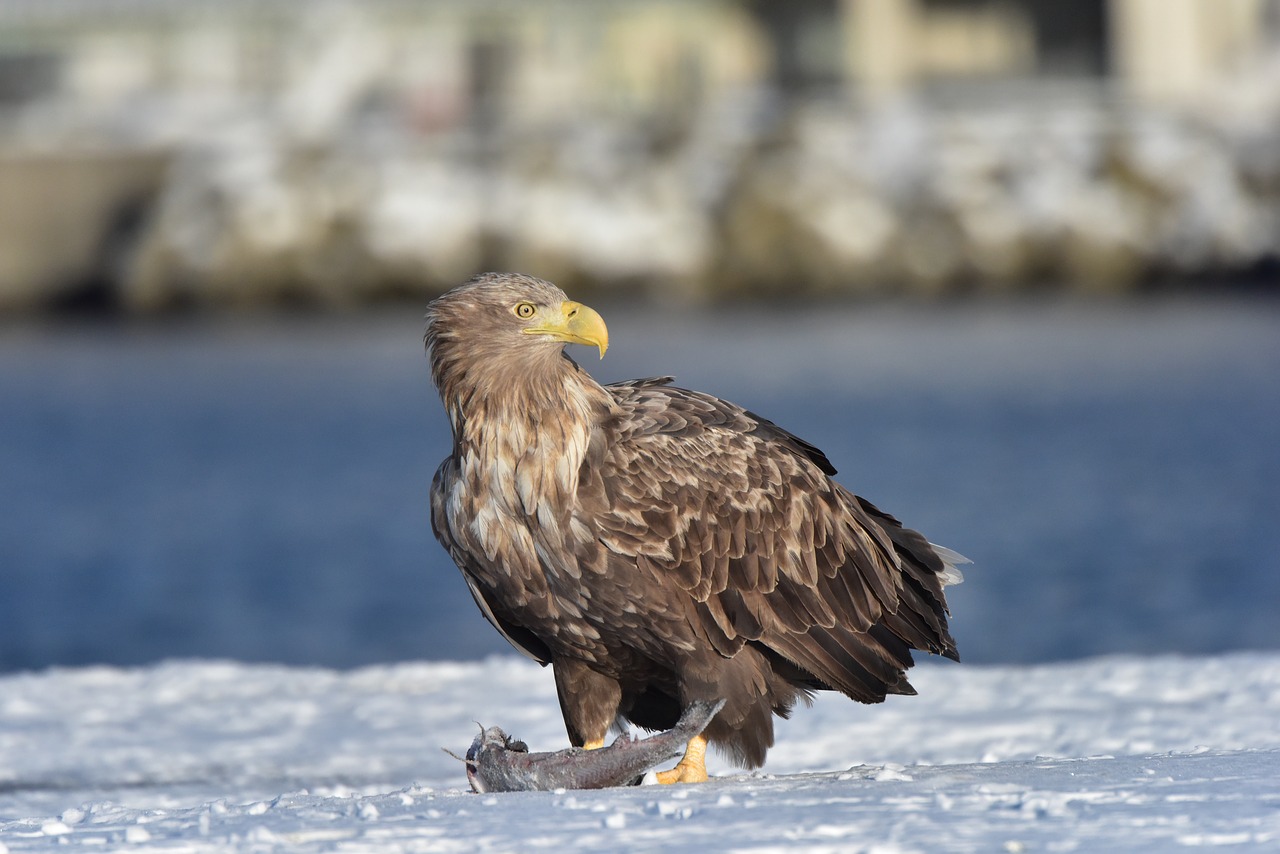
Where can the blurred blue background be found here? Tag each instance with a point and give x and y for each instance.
(258, 488)
(1014, 269)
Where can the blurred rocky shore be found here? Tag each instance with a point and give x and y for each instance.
(745, 196)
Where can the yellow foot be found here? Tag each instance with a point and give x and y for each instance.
(690, 769)
(683, 773)
(594, 744)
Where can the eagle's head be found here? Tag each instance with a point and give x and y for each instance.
(511, 314)
(503, 333)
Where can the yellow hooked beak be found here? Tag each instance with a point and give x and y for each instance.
(574, 323)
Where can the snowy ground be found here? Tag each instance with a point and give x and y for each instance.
(1124, 754)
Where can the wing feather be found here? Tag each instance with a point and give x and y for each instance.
(743, 517)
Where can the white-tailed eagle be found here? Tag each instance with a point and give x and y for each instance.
(658, 546)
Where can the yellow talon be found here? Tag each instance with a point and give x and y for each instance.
(594, 744)
(692, 767)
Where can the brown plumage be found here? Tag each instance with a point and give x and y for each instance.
(658, 546)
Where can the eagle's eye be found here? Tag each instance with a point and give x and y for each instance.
(524, 310)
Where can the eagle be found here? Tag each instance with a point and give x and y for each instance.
(658, 546)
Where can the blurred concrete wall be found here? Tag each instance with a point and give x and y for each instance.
(1180, 51)
(1167, 51)
(63, 217)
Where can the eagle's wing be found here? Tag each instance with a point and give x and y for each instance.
(743, 518)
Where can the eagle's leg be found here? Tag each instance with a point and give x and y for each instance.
(692, 767)
(588, 701)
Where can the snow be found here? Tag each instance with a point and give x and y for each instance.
(1117, 753)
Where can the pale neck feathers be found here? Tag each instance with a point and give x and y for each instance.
(521, 420)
